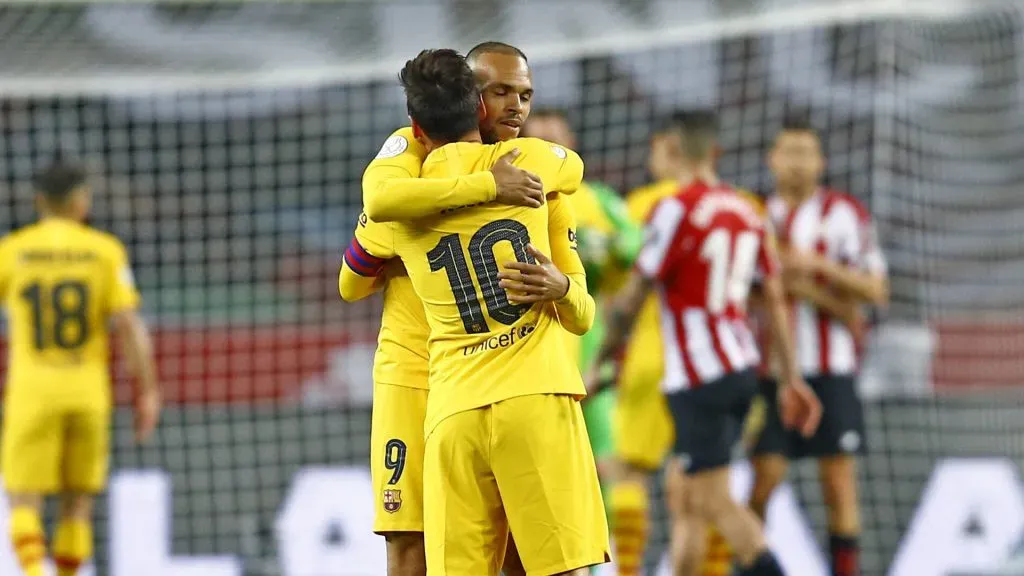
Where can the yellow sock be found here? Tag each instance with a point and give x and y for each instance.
(28, 540)
(72, 546)
(629, 526)
(718, 559)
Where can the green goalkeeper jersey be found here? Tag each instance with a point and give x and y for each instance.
(608, 242)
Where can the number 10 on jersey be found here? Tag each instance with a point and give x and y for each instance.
(448, 256)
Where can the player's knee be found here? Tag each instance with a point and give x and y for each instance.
(839, 481)
(29, 501)
(707, 495)
(77, 507)
(406, 554)
(769, 472)
(513, 563)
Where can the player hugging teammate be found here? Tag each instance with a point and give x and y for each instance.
(481, 270)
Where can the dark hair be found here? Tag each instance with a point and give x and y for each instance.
(493, 47)
(697, 130)
(798, 123)
(60, 179)
(441, 94)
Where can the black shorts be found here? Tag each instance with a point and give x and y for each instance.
(709, 419)
(842, 422)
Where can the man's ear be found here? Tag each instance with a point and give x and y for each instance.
(417, 132)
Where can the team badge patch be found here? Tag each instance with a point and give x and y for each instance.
(392, 147)
(392, 500)
(559, 151)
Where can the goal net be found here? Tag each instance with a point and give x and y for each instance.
(228, 140)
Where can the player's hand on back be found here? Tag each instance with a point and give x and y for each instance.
(799, 407)
(147, 413)
(514, 186)
(527, 283)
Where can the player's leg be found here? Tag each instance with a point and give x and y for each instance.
(513, 564)
(839, 440)
(769, 456)
(708, 421)
(549, 487)
(84, 469)
(465, 528)
(643, 435)
(26, 532)
(73, 538)
(396, 469)
(31, 469)
(687, 532)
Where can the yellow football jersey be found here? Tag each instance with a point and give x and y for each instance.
(482, 348)
(61, 281)
(401, 357)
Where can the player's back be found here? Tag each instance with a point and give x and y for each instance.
(60, 282)
(708, 243)
(484, 349)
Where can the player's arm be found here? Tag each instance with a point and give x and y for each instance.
(559, 279)
(798, 404)
(393, 190)
(362, 265)
(866, 278)
(576, 309)
(773, 299)
(651, 265)
(845, 310)
(137, 345)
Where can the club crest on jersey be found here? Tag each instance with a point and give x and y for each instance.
(392, 500)
(559, 151)
(392, 147)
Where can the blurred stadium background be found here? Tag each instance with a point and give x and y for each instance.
(230, 138)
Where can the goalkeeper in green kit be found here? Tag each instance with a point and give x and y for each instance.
(608, 242)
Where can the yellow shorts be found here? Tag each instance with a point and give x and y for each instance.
(524, 465)
(396, 457)
(644, 432)
(49, 449)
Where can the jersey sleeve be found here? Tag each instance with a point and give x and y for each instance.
(767, 255)
(372, 245)
(393, 190)
(570, 173)
(562, 232)
(859, 245)
(660, 232)
(559, 168)
(123, 294)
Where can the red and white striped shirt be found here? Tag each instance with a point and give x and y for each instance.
(703, 248)
(838, 227)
